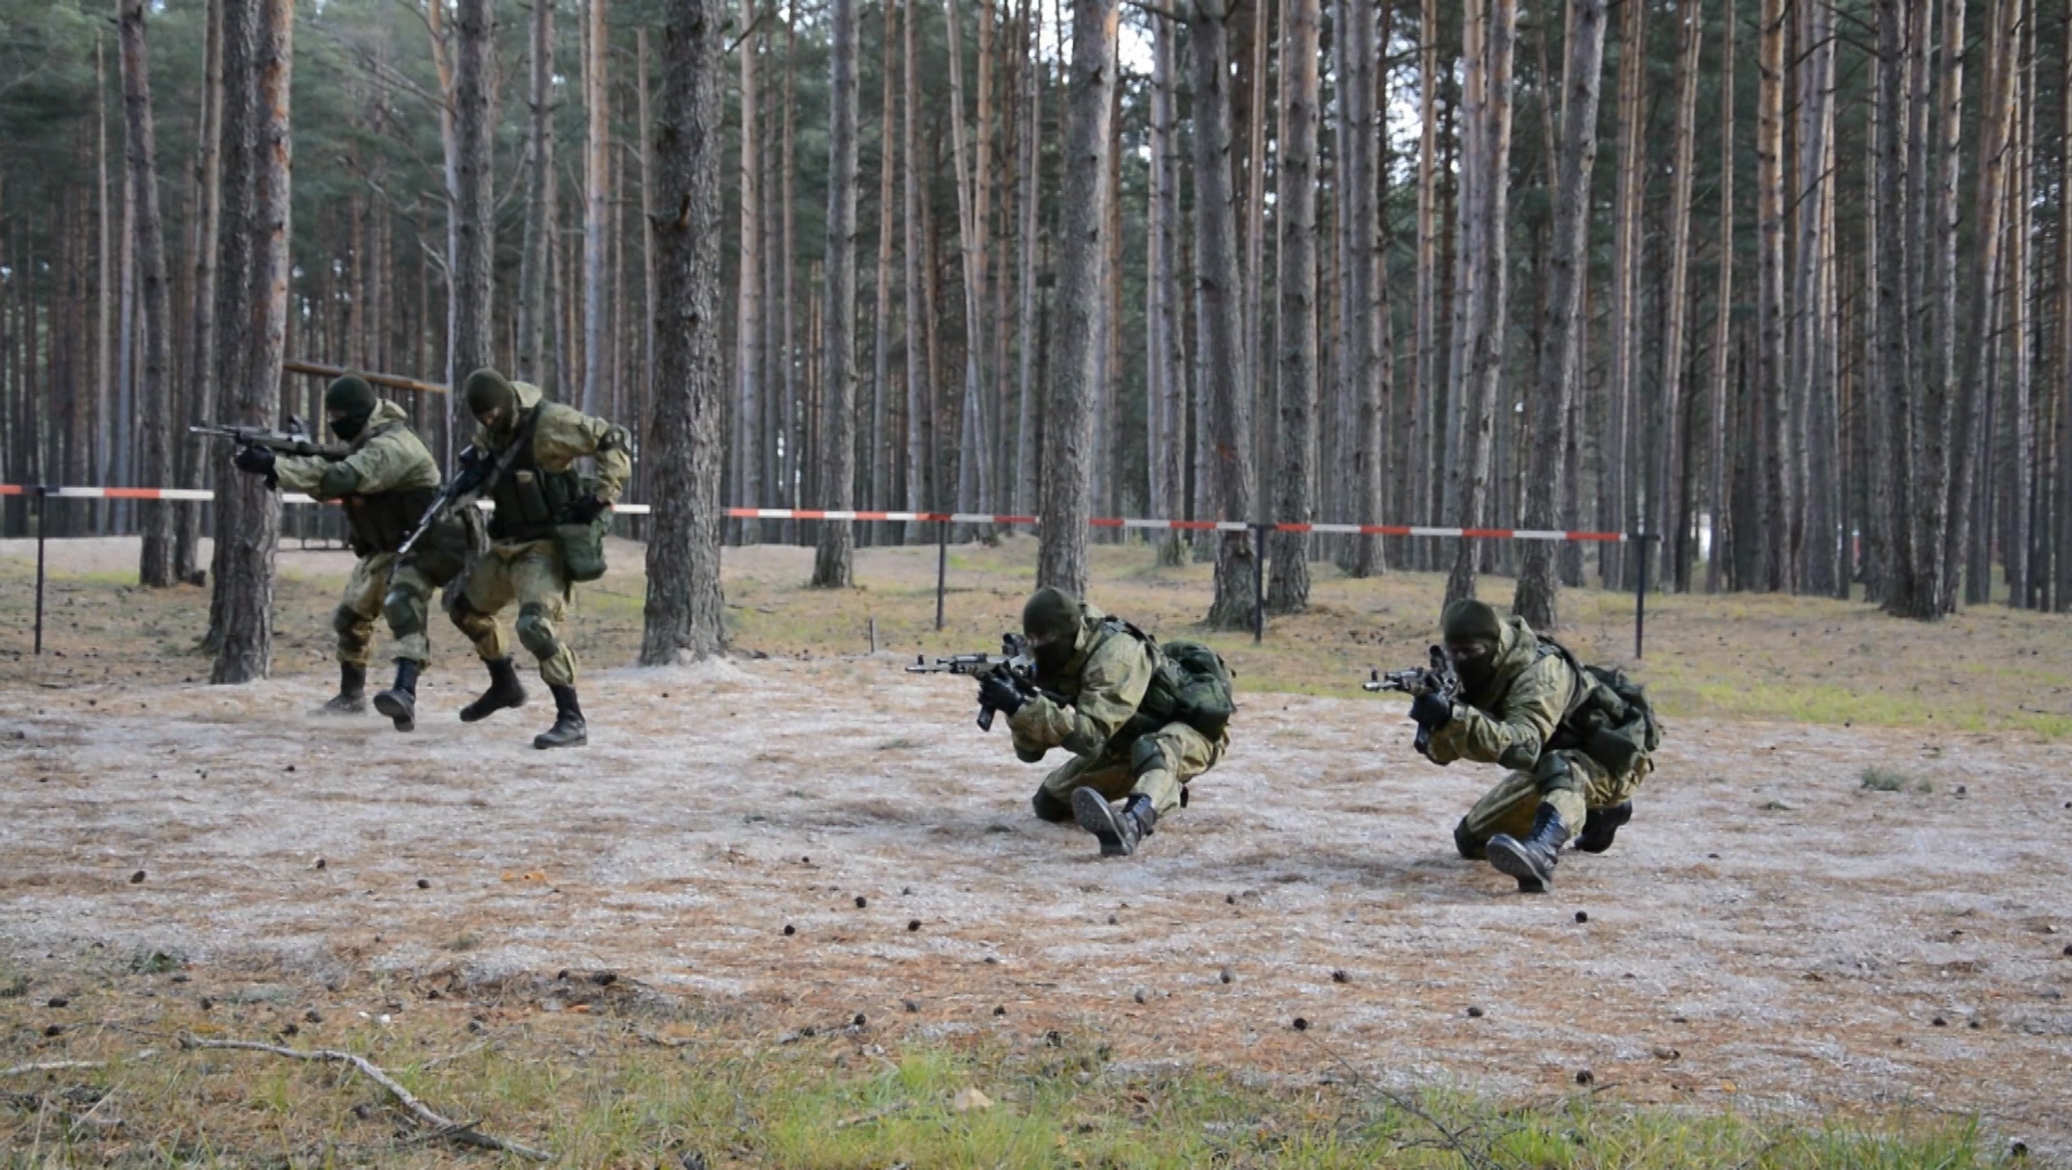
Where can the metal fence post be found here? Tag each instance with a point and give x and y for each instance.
(942, 566)
(1640, 592)
(42, 494)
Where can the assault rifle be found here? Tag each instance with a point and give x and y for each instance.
(1436, 678)
(474, 472)
(296, 440)
(1014, 663)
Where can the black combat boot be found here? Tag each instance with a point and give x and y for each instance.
(1602, 825)
(1119, 832)
(399, 702)
(351, 698)
(1532, 860)
(504, 691)
(569, 730)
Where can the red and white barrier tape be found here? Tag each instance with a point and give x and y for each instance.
(119, 493)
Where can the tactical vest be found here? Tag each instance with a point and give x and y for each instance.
(380, 522)
(530, 500)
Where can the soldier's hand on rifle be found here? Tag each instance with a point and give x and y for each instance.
(253, 460)
(1431, 710)
(586, 509)
(997, 690)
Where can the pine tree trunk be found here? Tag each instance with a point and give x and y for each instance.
(1169, 358)
(1025, 430)
(1780, 490)
(880, 459)
(2021, 482)
(920, 474)
(472, 234)
(1219, 287)
(748, 406)
(1426, 370)
(1067, 416)
(1968, 431)
(1259, 373)
(1295, 207)
(974, 462)
(154, 399)
(1365, 355)
(233, 308)
(1620, 446)
(104, 328)
(790, 417)
(2061, 528)
(1907, 589)
(1814, 537)
(597, 198)
(201, 360)
(533, 302)
(249, 516)
(1537, 598)
(685, 610)
(833, 563)
(1666, 494)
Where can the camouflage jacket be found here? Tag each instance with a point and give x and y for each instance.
(387, 457)
(563, 435)
(1532, 690)
(1103, 684)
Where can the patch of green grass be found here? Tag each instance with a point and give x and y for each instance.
(147, 961)
(465, 941)
(1878, 779)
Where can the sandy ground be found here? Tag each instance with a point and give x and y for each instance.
(1765, 934)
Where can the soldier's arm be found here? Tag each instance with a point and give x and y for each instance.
(1513, 734)
(389, 461)
(1111, 686)
(566, 435)
(302, 473)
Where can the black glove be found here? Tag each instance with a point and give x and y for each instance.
(585, 510)
(1431, 710)
(254, 460)
(998, 692)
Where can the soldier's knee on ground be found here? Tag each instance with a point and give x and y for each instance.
(536, 630)
(1465, 840)
(1049, 807)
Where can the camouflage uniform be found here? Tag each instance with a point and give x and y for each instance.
(1117, 751)
(1513, 720)
(385, 485)
(524, 563)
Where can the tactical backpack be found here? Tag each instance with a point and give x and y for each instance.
(1190, 684)
(1610, 719)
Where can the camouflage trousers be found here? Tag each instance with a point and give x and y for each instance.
(1157, 764)
(1569, 780)
(379, 587)
(531, 575)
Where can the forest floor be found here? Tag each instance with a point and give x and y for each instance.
(1843, 896)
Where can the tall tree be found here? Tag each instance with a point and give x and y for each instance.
(1537, 597)
(1366, 354)
(1295, 208)
(201, 359)
(920, 417)
(832, 564)
(1666, 486)
(1486, 305)
(261, 44)
(1168, 356)
(531, 360)
(155, 401)
(1779, 490)
(685, 611)
(880, 461)
(1025, 435)
(748, 319)
(471, 220)
(1723, 308)
(974, 452)
(1217, 289)
(597, 197)
(1067, 417)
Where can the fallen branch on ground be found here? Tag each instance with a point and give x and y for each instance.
(464, 1134)
(48, 1066)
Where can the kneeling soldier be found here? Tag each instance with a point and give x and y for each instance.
(385, 485)
(1576, 738)
(1141, 721)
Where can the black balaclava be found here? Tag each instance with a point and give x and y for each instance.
(349, 402)
(488, 393)
(1050, 620)
(1472, 631)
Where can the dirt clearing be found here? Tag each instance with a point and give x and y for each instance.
(794, 843)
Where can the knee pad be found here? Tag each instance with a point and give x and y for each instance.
(404, 614)
(1049, 808)
(1146, 755)
(1551, 773)
(1469, 845)
(345, 622)
(536, 631)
